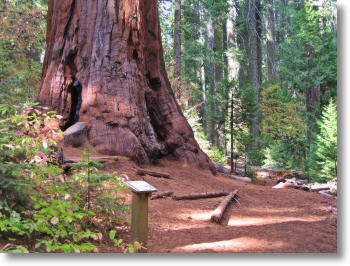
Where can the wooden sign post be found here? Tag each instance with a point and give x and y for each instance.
(141, 190)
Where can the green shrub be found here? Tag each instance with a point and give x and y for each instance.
(323, 158)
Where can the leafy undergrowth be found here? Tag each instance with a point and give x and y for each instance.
(39, 200)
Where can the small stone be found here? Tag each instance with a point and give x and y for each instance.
(76, 135)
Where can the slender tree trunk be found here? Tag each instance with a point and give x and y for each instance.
(232, 42)
(313, 110)
(242, 40)
(231, 129)
(259, 53)
(225, 111)
(270, 41)
(282, 21)
(232, 61)
(177, 39)
(224, 48)
(259, 43)
(202, 40)
(211, 80)
(104, 66)
(218, 112)
(253, 60)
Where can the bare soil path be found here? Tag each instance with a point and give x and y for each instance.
(266, 221)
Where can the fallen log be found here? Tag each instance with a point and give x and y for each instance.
(152, 173)
(201, 195)
(239, 178)
(286, 185)
(217, 214)
(319, 189)
(162, 195)
(327, 194)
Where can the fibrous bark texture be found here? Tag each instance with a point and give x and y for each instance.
(177, 35)
(104, 66)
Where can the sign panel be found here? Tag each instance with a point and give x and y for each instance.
(140, 186)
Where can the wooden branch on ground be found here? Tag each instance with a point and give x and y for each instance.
(152, 173)
(219, 211)
(239, 178)
(286, 185)
(319, 189)
(162, 195)
(327, 194)
(201, 195)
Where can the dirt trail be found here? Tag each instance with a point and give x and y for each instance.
(267, 220)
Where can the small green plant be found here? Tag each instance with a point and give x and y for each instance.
(101, 190)
(251, 173)
(57, 211)
(125, 247)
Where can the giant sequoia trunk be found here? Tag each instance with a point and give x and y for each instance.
(104, 66)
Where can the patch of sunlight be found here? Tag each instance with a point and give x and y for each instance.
(249, 221)
(194, 215)
(234, 245)
(269, 210)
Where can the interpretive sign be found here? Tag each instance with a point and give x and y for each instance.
(139, 210)
(140, 186)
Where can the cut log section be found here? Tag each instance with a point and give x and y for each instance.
(162, 195)
(219, 211)
(152, 173)
(201, 195)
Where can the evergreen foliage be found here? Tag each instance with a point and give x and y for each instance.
(286, 108)
(323, 158)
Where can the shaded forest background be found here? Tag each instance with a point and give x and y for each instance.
(256, 79)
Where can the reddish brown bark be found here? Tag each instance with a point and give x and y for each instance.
(104, 66)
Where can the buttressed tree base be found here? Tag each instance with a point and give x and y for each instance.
(104, 65)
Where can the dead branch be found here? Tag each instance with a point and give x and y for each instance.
(319, 189)
(327, 194)
(201, 195)
(219, 211)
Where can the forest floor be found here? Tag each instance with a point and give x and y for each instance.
(267, 220)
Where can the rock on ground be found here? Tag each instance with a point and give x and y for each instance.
(76, 135)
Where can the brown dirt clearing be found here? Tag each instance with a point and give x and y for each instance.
(266, 220)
